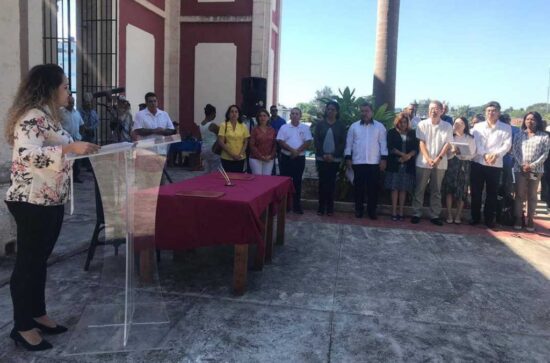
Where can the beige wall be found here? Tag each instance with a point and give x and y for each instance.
(21, 39)
(215, 78)
(140, 65)
(10, 68)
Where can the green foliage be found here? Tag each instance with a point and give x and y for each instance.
(309, 111)
(349, 105)
(462, 111)
(350, 111)
(385, 116)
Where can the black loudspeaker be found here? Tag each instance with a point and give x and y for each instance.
(254, 91)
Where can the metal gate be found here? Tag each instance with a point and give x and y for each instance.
(58, 26)
(82, 37)
(98, 57)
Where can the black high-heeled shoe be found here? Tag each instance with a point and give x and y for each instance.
(58, 329)
(18, 338)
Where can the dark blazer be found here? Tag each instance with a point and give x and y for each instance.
(339, 133)
(395, 142)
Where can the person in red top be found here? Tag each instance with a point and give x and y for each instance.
(262, 145)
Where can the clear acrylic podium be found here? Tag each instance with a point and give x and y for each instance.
(126, 311)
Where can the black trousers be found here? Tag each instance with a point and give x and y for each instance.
(327, 184)
(294, 168)
(233, 166)
(366, 175)
(76, 168)
(488, 177)
(37, 230)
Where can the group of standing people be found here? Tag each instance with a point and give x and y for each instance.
(446, 156)
(260, 146)
(455, 162)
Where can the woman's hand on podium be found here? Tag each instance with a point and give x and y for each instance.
(80, 148)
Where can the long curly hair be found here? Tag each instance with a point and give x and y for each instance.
(37, 90)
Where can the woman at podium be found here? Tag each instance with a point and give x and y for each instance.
(40, 186)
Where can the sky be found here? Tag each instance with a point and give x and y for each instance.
(466, 52)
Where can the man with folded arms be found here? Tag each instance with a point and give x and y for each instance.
(434, 136)
(493, 140)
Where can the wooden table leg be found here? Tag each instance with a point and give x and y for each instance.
(240, 267)
(281, 217)
(259, 261)
(269, 235)
(146, 265)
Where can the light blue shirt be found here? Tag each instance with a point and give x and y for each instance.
(71, 122)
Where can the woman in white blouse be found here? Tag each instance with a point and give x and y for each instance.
(39, 188)
(457, 177)
(209, 136)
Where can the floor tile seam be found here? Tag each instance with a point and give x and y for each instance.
(407, 230)
(481, 329)
(447, 324)
(332, 303)
(249, 302)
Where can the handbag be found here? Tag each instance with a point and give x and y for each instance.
(216, 148)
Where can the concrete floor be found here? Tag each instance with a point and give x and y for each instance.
(339, 290)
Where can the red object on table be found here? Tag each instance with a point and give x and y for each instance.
(184, 222)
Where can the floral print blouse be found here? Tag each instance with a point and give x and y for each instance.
(40, 174)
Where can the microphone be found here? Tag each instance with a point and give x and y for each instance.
(109, 93)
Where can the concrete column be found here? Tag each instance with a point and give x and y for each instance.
(21, 28)
(261, 38)
(172, 59)
(10, 22)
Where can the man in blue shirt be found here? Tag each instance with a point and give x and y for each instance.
(276, 122)
(446, 117)
(91, 121)
(71, 121)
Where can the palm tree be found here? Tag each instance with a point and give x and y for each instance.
(386, 53)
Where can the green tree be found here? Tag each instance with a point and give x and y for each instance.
(324, 93)
(349, 105)
(462, 111)
(309, 110)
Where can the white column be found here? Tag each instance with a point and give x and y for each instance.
(10, 23)
(261, 36)
(172, 59)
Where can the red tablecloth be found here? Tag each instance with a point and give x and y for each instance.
(184, 222)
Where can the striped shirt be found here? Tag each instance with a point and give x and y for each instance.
(531, 150)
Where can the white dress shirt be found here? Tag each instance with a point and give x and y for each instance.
(435, 137)
(294, 136)
(366, 143)
(146, 120)
(492, 140)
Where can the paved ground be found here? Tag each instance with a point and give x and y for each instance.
(340, 290)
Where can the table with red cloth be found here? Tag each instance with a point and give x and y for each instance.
(242, 216)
